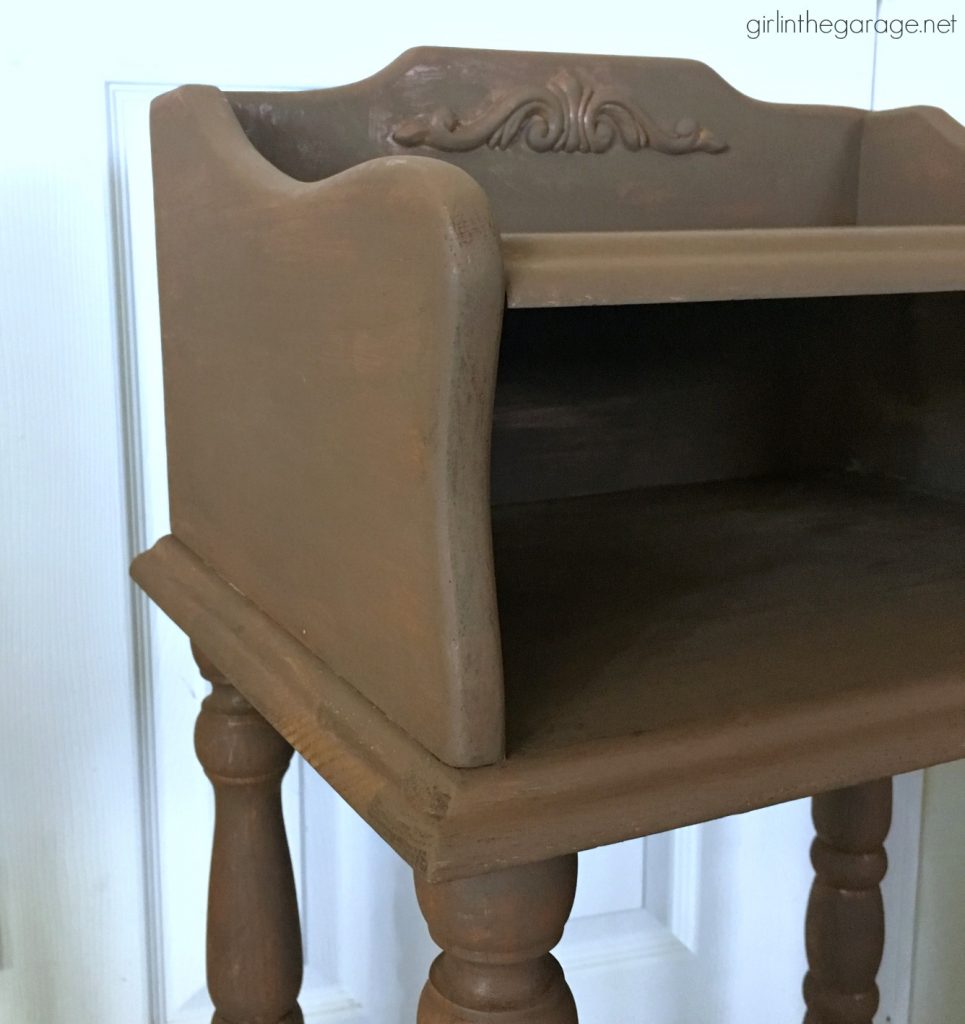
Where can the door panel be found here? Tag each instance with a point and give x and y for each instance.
(930, 69)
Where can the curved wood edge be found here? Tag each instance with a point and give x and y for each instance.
(195, 125)
(412, 60)
(409, 61)
(590, 269)
(912, 168)
(451, 823)
(364, 309)
(416, 56)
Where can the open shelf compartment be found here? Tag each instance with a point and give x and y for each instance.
(549, 400)
(645, 611)
(709, 515)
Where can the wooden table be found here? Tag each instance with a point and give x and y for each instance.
(562, 449)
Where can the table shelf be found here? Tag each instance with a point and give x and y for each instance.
(621, 267)
(634, 613)
(670, 742)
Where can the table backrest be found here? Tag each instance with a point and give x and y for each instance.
(578, 142)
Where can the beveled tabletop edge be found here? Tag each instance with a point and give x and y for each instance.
(387, 777)
(449, 822)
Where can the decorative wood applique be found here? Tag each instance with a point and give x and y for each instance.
(569, 115)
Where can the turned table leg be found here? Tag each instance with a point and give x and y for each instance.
(845, 931)
(496, 932)
(254, 942)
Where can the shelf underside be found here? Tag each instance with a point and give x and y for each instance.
(625, 267)
(653, 610)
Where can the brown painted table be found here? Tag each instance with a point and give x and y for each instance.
(562, 449)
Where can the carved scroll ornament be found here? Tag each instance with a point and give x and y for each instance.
(569, 115)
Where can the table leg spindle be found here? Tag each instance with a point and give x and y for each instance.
(254, 942)
(845, 920)
(496, 932)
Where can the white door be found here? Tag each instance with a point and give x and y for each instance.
(931, 69)
(105, 816)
